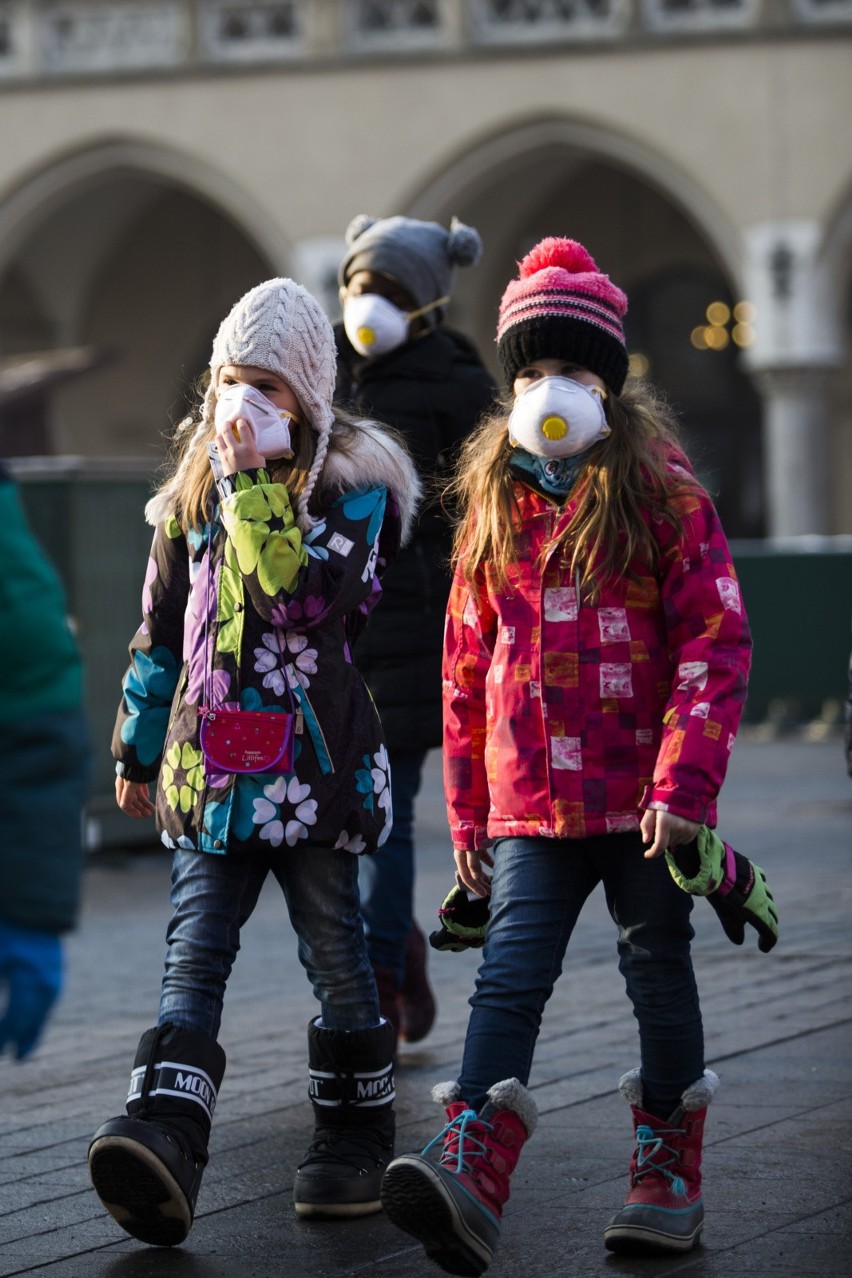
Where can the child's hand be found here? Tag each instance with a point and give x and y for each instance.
(237, 447)
(133, 797)
(663, 830)
(471, 870)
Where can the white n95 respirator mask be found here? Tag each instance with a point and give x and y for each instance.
(375, 326)
(270, 423)
(558, 417)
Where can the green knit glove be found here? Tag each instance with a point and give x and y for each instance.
(734, 886)
(464, 919)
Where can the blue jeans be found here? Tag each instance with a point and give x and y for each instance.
(213, 896)
(387, 877)
(538, 889)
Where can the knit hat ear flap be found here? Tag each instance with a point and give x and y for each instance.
(562, 307)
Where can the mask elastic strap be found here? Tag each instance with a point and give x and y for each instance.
(423, 310)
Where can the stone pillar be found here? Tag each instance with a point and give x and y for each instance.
(795, 429)
(316, 259)
(797, 344)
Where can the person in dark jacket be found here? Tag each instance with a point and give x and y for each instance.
(44, 766)
(847, 722)
(399, 364)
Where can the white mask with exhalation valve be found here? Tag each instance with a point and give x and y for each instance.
(271, 424)
(375, 326)
(558, 417)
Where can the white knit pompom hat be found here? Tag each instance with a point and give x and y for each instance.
(278, 325)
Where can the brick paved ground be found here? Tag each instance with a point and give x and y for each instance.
(778, 1154)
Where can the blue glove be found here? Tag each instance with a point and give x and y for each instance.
(30, 982)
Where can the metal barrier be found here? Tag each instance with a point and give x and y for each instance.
(798, 595)
(89, 517)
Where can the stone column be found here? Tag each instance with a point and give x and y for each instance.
(795, 429)
(797, 343)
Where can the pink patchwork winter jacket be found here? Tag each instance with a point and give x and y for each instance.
(565, 718)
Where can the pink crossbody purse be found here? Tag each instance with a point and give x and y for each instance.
(247, 740)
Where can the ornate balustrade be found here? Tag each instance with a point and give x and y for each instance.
(50, 39)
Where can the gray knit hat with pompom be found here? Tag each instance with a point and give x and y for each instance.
(421, 256)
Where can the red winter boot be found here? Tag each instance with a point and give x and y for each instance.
(454, 1206)
(664, 1211)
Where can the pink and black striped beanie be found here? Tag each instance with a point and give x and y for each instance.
(562, 307)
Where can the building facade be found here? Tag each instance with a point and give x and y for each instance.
(159, 158)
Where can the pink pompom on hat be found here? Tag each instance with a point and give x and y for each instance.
(562, 307)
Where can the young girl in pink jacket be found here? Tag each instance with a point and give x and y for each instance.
(595, 668)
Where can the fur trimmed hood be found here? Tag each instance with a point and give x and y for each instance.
(371, 456)
(378, 457)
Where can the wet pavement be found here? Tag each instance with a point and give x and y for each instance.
(778, 1147)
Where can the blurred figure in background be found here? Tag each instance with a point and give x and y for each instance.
(398, 363)
(44, 775)
(847, 722)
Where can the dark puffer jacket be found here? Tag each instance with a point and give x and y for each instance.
(432, 390)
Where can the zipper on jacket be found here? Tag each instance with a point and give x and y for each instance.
(315, 732)
(177, 699)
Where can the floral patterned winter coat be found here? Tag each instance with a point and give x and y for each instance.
(248, 614)
(565, 718)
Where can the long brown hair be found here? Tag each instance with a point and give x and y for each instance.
(626, 478)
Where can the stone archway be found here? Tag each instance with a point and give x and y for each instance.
(134, 252)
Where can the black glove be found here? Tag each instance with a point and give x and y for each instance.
(464, 918)
(734, 886)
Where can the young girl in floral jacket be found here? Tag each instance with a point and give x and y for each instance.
(595, 668)
(271, 537)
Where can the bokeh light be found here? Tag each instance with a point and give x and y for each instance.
(718, 313)
(716, 338)
(716, 335)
